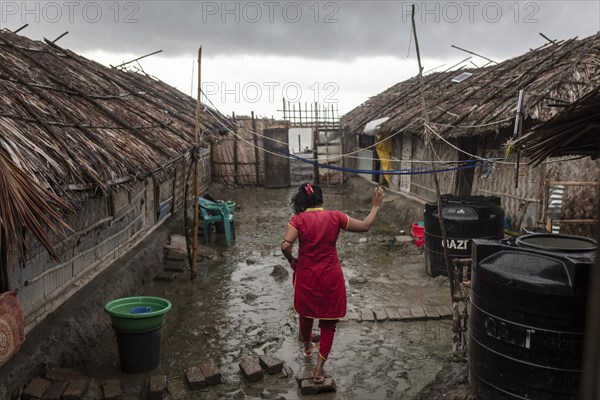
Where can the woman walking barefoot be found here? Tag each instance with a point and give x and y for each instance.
(319, 289)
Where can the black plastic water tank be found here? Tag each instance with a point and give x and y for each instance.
(465, 218)
(527, 322)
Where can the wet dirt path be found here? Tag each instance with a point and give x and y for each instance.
(237, 308)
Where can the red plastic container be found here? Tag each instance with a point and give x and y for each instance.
(418, 234)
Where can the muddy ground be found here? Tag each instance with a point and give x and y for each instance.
(238, 307)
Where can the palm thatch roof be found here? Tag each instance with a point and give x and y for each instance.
(575, 131)
(71, 127)
(485, 102)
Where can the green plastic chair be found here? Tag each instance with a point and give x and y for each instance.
(217, 212)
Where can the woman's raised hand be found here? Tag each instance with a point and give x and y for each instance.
(378, 195)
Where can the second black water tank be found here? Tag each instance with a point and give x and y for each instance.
(465, 218)
(527, 319)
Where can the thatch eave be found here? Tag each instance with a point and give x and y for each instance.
(71, 129)
(485, 103)
(573, 132)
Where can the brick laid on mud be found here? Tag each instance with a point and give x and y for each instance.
(367, 315)
(353, 316)
(55, 390)
(418, 313)
(431, 313)
(270, 363)
(166, 276)
(195, 378)
(177, 268)
(251, 369)
(405, 313)
(35, 389)
(178, 389)
(444, 311)
(380, 315)
(306, 372)
(111, 389)
(309, 388)
(171, 255)
(131, 391)
(158, 385)
(77, 389)
(211, 372)
(393, 314)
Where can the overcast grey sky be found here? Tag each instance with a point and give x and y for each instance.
(253, 50)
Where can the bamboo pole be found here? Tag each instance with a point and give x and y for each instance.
(517, 133)
(315, 143)
(193, 270)
(256, 155)
(573, 183)
(456, 320)
(236, 170)
(430, 145)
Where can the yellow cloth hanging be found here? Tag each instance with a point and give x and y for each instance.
(384, 152)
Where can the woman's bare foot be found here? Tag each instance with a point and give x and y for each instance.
(309, 347)
(319, 374)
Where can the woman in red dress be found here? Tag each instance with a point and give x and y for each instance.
(319, 288)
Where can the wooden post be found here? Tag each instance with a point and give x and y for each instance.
(430, 145)
(315, 140)
(256, 154)
(196, 152)
(517, 133)
(456, 320)
(235, 152)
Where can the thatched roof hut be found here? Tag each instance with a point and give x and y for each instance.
(473, 111)
(485, 102)
(72, 128)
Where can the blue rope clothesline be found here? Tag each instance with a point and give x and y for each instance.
(416, 171)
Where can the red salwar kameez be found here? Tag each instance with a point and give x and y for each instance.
(319, 288)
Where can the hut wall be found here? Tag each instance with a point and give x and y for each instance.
(579, 202)
(406, 147)
(526, 205)
(521, 204)
(423, 185)
(235, 159)
(349, 145)
(106, 228)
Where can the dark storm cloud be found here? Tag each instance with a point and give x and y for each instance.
(308, 29)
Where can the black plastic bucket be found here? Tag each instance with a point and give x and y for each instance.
(139, 352)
